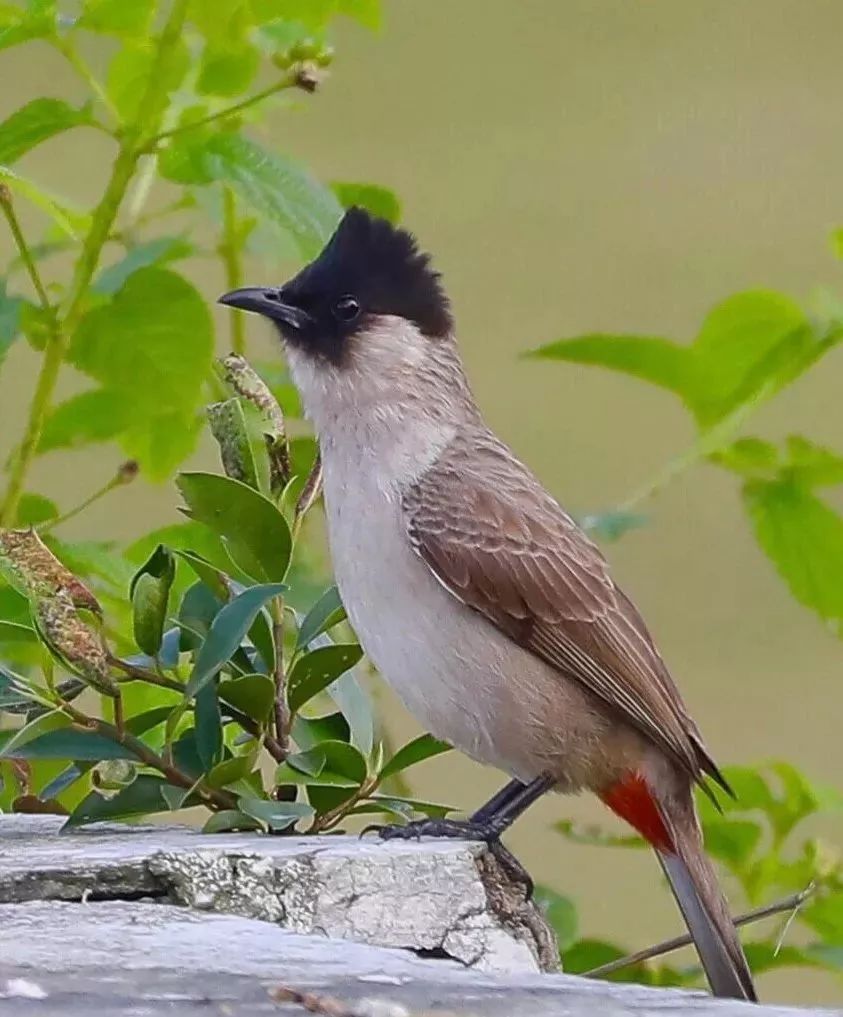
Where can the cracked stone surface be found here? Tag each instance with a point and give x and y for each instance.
(135, 959)
(450, 897)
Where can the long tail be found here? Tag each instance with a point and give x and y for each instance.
(675, 834)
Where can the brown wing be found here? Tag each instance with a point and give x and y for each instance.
(499, 543)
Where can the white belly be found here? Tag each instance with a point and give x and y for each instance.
(463, 680)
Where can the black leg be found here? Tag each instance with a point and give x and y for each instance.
(486, 824)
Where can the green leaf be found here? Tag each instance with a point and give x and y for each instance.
(150, 595)
(286, 773)
(325, 613)
(13, 632)
(227, 632)
(367, 12)
(228, 820)
(10, 319)
(419, 749)
(276, 815)
(67, 221)
(153, 252)
(149, 719)
(659, 361)
(560, 913)
(152, 345)
(804, 539)
(198, 609)
(85, 419)
(374, 198)
(750, 457)
(242, 445)
(22, 25)
(68, 743)
(142, 797)
(227, 70)
(34, 123)
(208, 726)
(333, 757)
(232, 770)
(252, 694)
(308, 732)
(811, 464)
(131, 68)
(117, 17)
(35, 508)
(315, 671)
(256, 534)
(272, 186)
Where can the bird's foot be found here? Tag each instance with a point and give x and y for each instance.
(488, 833)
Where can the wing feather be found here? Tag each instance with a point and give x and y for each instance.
(503, 546)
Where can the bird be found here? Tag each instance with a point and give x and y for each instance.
(477, 597)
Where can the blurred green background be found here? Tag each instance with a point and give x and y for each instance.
(575, 166)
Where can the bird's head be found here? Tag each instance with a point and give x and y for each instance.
(370, 279)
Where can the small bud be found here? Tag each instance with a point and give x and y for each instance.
(126, 472)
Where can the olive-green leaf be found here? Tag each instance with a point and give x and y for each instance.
(35, 122)
(315, 671)
(804, 539)
(69, 743)
(230, 819)
(150, 595)
(138, 256)
(256, 533)
(208, 726)
(85, 419)
(419, 749)
(276, 815)
(142, 797)
(252, 694)
(228, 631)
(325, 613)
(117, 17)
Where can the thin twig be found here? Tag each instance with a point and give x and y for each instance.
(23, 248)
(210, 796)
(290, 80)
(141, 674)
(124, 475)
(793, 902)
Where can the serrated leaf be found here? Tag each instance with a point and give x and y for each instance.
(36, 122)
(315, 671)
(227, 70)
(322, 616)
(277, 815)
(272, 186)
(416, 751)
(378, 200)
(150, 595)
(804, 539)
(152, 345)
(228, 631)
(257, 535)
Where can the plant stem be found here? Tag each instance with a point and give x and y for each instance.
(209, 796)
(791, 903)
(229, 250)
(290, 80)
(150, 110)
(20, 241)
(116, 481)
(282, 710)
(141, 674)
(333, 816)
(68, 51)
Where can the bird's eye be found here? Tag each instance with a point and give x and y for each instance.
(346, 308)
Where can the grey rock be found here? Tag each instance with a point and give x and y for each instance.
(446, 897)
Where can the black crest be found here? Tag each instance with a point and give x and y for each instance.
(381, 267)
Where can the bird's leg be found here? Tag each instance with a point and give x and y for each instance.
(486, 824)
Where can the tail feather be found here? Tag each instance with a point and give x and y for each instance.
(711, 926)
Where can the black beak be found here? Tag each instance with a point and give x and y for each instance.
(268, 302)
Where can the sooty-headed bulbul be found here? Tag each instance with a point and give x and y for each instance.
(475, 594)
